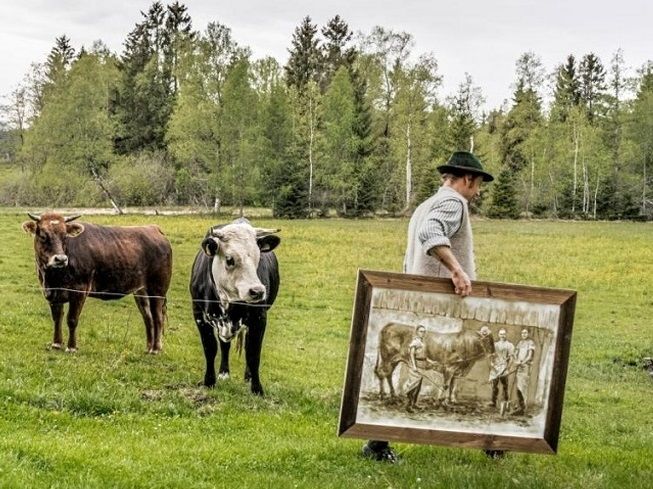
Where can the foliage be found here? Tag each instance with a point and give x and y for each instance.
(353, 124)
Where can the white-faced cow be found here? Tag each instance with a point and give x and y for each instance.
(79, 260)
(235, 280)
(451, 354)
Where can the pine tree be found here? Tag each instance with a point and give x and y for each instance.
(567, 90)
(178, 31)
(335, 52)
(59, 61)
(463, 110)
(504, 196)
(305, 61)
(592, 85)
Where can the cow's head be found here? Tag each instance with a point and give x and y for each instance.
(51, 232)
(236, 250)
(487, 341)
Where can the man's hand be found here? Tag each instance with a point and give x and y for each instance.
(461, 283)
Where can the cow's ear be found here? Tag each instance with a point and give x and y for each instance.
(210, 246)
(268, 243)
(29, 227)
(74, 229)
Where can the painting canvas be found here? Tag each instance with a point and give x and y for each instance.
(428, 366)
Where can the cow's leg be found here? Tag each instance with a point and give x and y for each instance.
(74, 310)
(225, 347)
(157, 308)
(143, 303)
(452, 391)
(381, 387)
(209, 344)
(253, 344)
(57, 316)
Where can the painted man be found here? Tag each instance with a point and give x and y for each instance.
(503, 352)
(523, 357)
(440, 242)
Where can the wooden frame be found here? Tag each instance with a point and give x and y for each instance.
(388, 308)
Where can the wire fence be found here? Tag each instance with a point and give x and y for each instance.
(94, 294)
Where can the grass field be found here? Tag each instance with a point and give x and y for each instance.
(110, 416)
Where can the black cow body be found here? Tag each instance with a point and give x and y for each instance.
(209, 311)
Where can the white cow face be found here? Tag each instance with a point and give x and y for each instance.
(236, 249)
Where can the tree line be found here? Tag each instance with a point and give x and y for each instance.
(351, 123)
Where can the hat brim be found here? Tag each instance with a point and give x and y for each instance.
(457, 170)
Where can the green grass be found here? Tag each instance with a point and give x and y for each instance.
(110, 416)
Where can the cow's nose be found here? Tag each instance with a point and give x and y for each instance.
(257, 293)
(59, 261)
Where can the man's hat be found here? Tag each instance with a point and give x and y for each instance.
(462, 162)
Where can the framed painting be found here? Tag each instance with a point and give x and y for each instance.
(428, 366)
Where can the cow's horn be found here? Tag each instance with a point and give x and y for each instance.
(260, 232)
(34, 217)
(72, 218)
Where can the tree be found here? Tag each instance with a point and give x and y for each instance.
(463, 109)
(238, 128)
(504, 203)
(192, 136)
(74, 133)
(335, 50)
(416, 89)
(592, 85)
(567, 90)
(305, 60)
(58, 62)
(339, 145)
(149, 79)
(177, 33)
(640, 136)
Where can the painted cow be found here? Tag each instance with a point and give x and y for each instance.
(452, 354)
(234, 282)
(78, 260)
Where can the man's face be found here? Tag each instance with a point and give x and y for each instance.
(421, 331)
(472, 187)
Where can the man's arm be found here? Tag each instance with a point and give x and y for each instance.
(461, 282)
(443, 222)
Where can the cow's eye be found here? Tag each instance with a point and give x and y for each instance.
(230, 261)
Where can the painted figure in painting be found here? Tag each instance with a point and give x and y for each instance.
(440, 241)
(503, 352)
(417, 357)
(523, 359)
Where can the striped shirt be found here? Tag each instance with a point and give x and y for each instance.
(441, 223)
(441, 220)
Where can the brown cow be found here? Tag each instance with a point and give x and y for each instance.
(79, 260)
(452, 354)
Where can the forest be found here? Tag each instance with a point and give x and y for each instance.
(353, 124)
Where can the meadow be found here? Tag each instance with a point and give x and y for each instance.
(111, 416)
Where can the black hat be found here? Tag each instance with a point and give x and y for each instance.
(462, 162)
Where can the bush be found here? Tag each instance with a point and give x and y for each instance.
(141, 180)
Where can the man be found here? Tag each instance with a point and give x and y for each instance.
(524, 352)
(503, 351)
(440, 241)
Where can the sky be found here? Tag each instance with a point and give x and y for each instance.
(481, 37)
